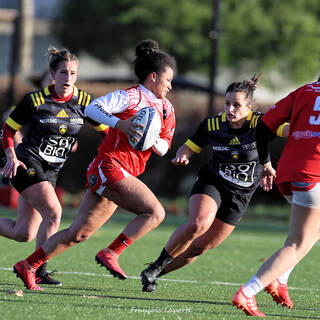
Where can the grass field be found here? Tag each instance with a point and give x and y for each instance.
(202, 290)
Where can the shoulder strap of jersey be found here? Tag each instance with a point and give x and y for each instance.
(84, 97)
(214, 123)
(37, 97)
(253, 118)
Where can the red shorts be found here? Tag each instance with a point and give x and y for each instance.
(286, 188)
(102, 172)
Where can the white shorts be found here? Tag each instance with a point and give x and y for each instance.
(308, 195)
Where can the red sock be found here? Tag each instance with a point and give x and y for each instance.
(120, 243)
(37, 258)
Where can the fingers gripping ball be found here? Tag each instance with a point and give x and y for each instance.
(150, 119)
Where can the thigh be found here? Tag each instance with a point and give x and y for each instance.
(202, 209)
(42, 197)
(93, 212)
(214, 236)
(28, 219)
(304, 226)
(131, 194)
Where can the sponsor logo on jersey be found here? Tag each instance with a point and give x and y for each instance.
(220, 148)
(103, 110)
(307, 134)
(62, 114)
(234, 141)
(31, 172)
(92, 180)
(249, 146)
(234, 155)
(49, 120)
(63, 128)
(76, 121)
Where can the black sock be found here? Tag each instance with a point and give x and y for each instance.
(42, 269)
(163, 259)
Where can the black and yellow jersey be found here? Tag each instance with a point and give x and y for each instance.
(234, 154)
(51, 126)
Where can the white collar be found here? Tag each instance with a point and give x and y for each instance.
(149, 93)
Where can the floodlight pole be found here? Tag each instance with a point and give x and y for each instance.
(214, 37)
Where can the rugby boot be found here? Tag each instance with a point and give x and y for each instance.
(27, 274)
(46, 278)
(248, 305)
(149, 277)
(279, 293)
(109, 259)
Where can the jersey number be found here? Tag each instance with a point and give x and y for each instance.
(316, 107)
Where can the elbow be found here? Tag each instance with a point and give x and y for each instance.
(160, 147)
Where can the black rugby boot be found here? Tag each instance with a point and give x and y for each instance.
(44, 277)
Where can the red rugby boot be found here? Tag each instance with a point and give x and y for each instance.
(248, 305)
(279, 293)
(27, 274)
(109, 259)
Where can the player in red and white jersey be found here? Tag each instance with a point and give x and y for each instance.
(298, 179)
(124, 104)
(111, 176)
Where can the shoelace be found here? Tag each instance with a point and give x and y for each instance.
(50, 274)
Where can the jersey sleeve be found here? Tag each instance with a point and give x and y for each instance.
(263, 137)
(279, 113)
(20, 115)
(199, 140)
(96, 125)
(101, 109)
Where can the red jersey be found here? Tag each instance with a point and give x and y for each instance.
(115, 145)
(300, 159)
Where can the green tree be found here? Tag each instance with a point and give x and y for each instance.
(255, 34)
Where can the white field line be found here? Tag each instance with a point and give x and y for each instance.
(163, 279)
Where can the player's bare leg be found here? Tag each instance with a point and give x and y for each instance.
(216, 234)
(202, 211)
(133, 195)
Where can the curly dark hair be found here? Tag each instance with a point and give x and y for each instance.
(149, 58)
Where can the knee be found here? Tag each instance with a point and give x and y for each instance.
(53, 217)
(24, 236)
(80, 236)
(196, 229)
(158, 214)
(196, 251)
(297, 249)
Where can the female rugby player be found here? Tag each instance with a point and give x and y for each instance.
(224, 187)
(298, 179)
(51, 118)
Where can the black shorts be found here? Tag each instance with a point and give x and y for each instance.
(231, 206)
(35, 173)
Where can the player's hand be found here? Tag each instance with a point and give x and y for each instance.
(267, 176)
(11, 166)
(180, 160)
(130, 128)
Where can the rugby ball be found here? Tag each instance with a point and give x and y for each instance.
(150, 119)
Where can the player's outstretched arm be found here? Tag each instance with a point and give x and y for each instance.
(182, 156)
